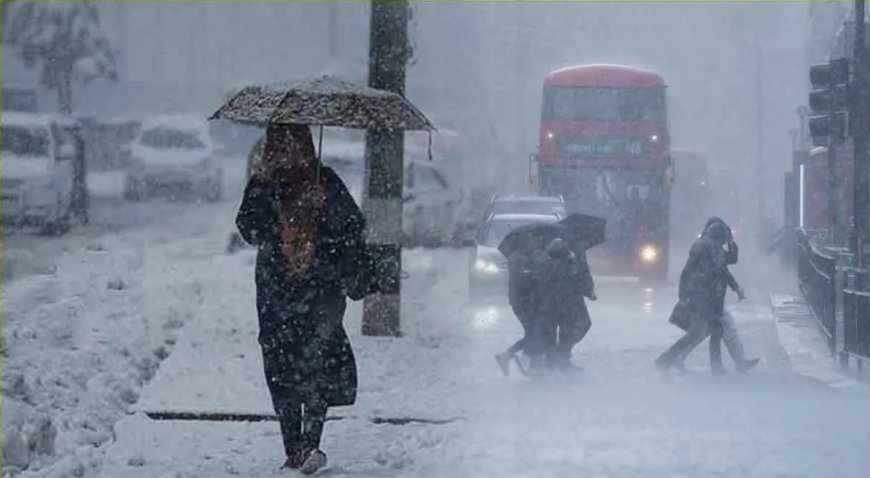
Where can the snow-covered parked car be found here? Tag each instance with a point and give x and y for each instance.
(174, 156)
(38, 168)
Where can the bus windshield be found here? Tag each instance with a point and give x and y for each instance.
(629, 200)
(603, 103)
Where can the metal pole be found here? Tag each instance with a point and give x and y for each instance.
(762, 210)
(388, 56)
(833, 200)
(860, 132)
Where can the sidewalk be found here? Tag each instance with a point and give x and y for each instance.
(806, 345)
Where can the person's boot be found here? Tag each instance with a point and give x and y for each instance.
(314, 460)
(504, 362)
(746, 365)
(294, 459)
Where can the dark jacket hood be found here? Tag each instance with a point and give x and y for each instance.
(558, 249)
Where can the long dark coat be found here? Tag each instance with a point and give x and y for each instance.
(561, 282)
(306, 352)
(703, 280)
(521, 287)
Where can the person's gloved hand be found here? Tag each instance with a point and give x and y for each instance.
(741, 295)
(593, 296)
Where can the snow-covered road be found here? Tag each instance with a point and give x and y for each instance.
(620, 418)
(157, 304)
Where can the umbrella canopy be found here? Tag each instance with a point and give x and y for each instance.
(323, 101)
(583, 231)
(580, 231)
(532, 237)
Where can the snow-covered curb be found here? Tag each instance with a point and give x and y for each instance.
(807, 348)
(80, 341)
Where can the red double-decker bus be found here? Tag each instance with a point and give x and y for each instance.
(604, 146)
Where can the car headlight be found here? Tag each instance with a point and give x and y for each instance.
(486, 267)
(649, 253)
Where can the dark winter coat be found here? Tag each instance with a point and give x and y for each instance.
(704, 277)
(306, 351)
(521, 286)
(561, 282)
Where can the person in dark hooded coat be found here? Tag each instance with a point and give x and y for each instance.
(562, 281)
(521, 296)
(723, 327)
(308, 232)
(700, 289)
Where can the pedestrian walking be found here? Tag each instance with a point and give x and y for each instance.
(699, 290)
(521, 296)
(723, 327)
(562, 281)
(308, 232)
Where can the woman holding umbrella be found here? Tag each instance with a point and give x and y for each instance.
(308, 231)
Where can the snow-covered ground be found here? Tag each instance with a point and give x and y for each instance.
(89, 316)
(151, 315)
(618, 419)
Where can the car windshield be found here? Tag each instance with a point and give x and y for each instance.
(170, 138)
(497, 230)
(604, 103)
(26, 141)
(528, 207)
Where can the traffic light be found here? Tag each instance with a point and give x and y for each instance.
(829, 101)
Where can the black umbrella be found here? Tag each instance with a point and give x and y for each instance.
(583, 231)
(531, 237)
(579, 230)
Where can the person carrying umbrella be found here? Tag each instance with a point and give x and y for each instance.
(309, 234)
(562, 281)
(550, 292)
(521, 296)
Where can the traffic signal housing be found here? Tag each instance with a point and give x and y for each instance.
(829, 101)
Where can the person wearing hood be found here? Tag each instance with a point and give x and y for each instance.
(521, 296)
(723, 327)
(562, 281)
(309, 237)
(700, 287)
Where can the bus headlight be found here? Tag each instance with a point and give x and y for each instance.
(485, 266)
(649, 253)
